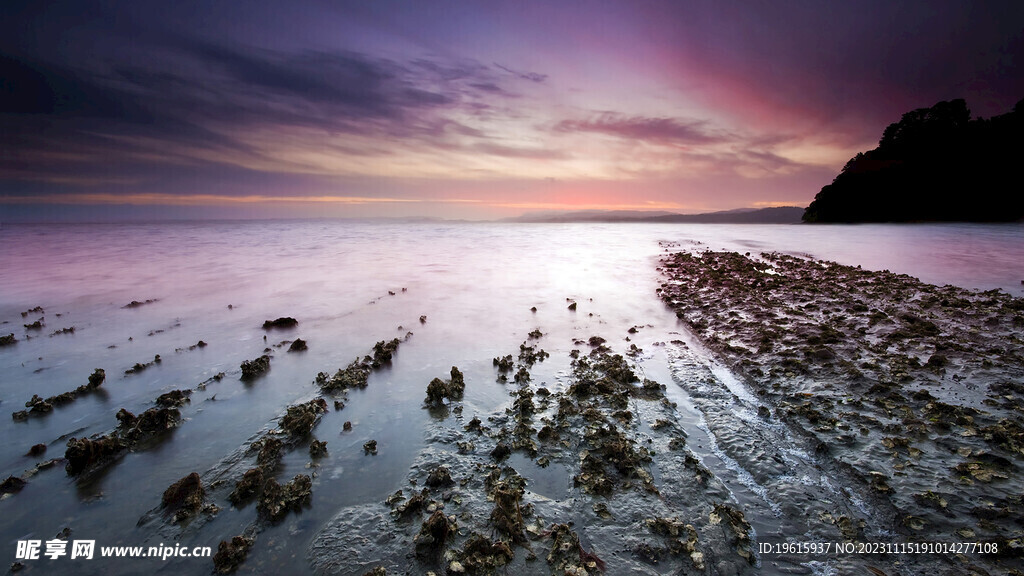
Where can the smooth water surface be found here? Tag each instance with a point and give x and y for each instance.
(219, 281)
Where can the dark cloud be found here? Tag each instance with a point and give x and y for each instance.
(194, 95)
(531, 76)
(30, 87)
(664, 131)
(488, 87)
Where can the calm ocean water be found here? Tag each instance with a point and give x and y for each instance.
(218, 282)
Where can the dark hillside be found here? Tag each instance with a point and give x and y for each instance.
(935, 164)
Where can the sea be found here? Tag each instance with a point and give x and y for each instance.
(456, 293)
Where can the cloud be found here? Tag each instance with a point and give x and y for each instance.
(531, 76)
(662, 131)
(186, 100)
(519, 152)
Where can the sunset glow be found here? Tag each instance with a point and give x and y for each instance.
(486, 110)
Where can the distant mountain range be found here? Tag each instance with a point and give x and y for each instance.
(778, 215)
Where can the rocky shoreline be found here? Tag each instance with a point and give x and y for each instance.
(913, 394)
(587, 475)
(804, 402)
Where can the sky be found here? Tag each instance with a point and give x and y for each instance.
(475, 110)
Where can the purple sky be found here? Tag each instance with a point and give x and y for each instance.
(469, 109)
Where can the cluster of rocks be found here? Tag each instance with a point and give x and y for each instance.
(139, 367)
(37, 405)
(253, 369)
(85, 453)
(357, 373)
(439, 390)
(912, 390)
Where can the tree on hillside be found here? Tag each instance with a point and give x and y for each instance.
(935, 164)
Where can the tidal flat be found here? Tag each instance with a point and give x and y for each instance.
(910, 393)
(339, 398)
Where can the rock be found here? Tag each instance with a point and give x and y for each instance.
(139, 367)
(383, 352)
(174, 398)
(299, 420)
(11, 485)
(299, 345)
(347, 426)
(413, 505)
(184, 498)
(504, 364)
(247, 487)
(501, 451)
(252, 369)
(36, 450)
(136, 303)
(457, 385)
(276, 500)
(96, 378)
(439, 476)
(8, 340)
(281, 323)
(82, 453)
(354, 376)
(433, 534)
(507, 516)
(481, 555)
(64, 398)
(125, 418)
(370, 447)
(438, 390)
(317, 449)
(151, 423)
(740, 527)
(567, 555)
(38, 405)
(230, 555)
(269, 454)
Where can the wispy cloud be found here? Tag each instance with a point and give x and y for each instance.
(210, 102)
(531, 76)
(664, 131)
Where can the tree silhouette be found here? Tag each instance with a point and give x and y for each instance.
(935, 164)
